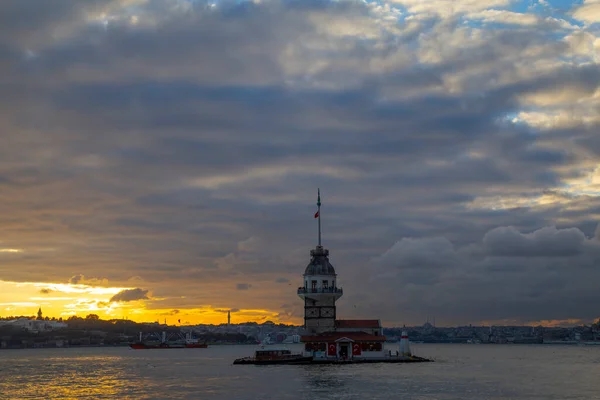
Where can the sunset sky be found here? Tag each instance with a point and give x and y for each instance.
(160, 159)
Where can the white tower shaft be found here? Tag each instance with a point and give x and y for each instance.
(404, 345)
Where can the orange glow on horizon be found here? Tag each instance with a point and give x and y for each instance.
(62, 300)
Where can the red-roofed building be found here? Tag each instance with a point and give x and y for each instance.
(344, 345)
(352, 338)
(371, 326)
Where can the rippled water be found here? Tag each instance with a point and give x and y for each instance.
(461, 372)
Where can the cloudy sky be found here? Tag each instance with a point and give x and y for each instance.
(161, 158)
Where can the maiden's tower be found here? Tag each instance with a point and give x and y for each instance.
(325, 336)
(327, 339)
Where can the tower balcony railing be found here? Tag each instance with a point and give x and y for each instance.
(304, 290)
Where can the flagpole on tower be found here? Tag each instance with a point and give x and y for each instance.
(319, 213)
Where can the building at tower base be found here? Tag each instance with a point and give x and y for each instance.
(326, 337)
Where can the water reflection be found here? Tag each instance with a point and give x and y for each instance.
(476, 372)
(70, 377)
(324, 377)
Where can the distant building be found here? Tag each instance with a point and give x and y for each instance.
(35, 325)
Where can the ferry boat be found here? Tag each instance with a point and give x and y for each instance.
(274, 355)
(186, 343)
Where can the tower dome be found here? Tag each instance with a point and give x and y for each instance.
(319, 263)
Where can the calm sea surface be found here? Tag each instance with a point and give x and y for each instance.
(461, 372)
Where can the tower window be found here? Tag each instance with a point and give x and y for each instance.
(314, 285)
(325, 284)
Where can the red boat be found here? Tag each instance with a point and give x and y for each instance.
(183, 343)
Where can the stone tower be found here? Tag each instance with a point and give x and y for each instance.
(320, 291)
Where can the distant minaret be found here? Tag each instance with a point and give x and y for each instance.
(40, 317)
(319, 291)
(228, 317)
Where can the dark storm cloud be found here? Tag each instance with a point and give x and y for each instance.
(185, 145)
(75, 279)
(81, 279)
(420, 253)
(546, 242)
(225, 311)
(542, 275)
(130, 295)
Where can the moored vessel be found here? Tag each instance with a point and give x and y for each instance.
(145, 346)
(274, 355)
(186, 342)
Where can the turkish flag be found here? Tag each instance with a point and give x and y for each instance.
(356, 349)
(331, 349)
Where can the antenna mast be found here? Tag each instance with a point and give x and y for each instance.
(319, 213)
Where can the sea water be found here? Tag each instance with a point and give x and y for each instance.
(460, 372)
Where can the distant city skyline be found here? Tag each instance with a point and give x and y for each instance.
(161, 159)
(174, 322)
